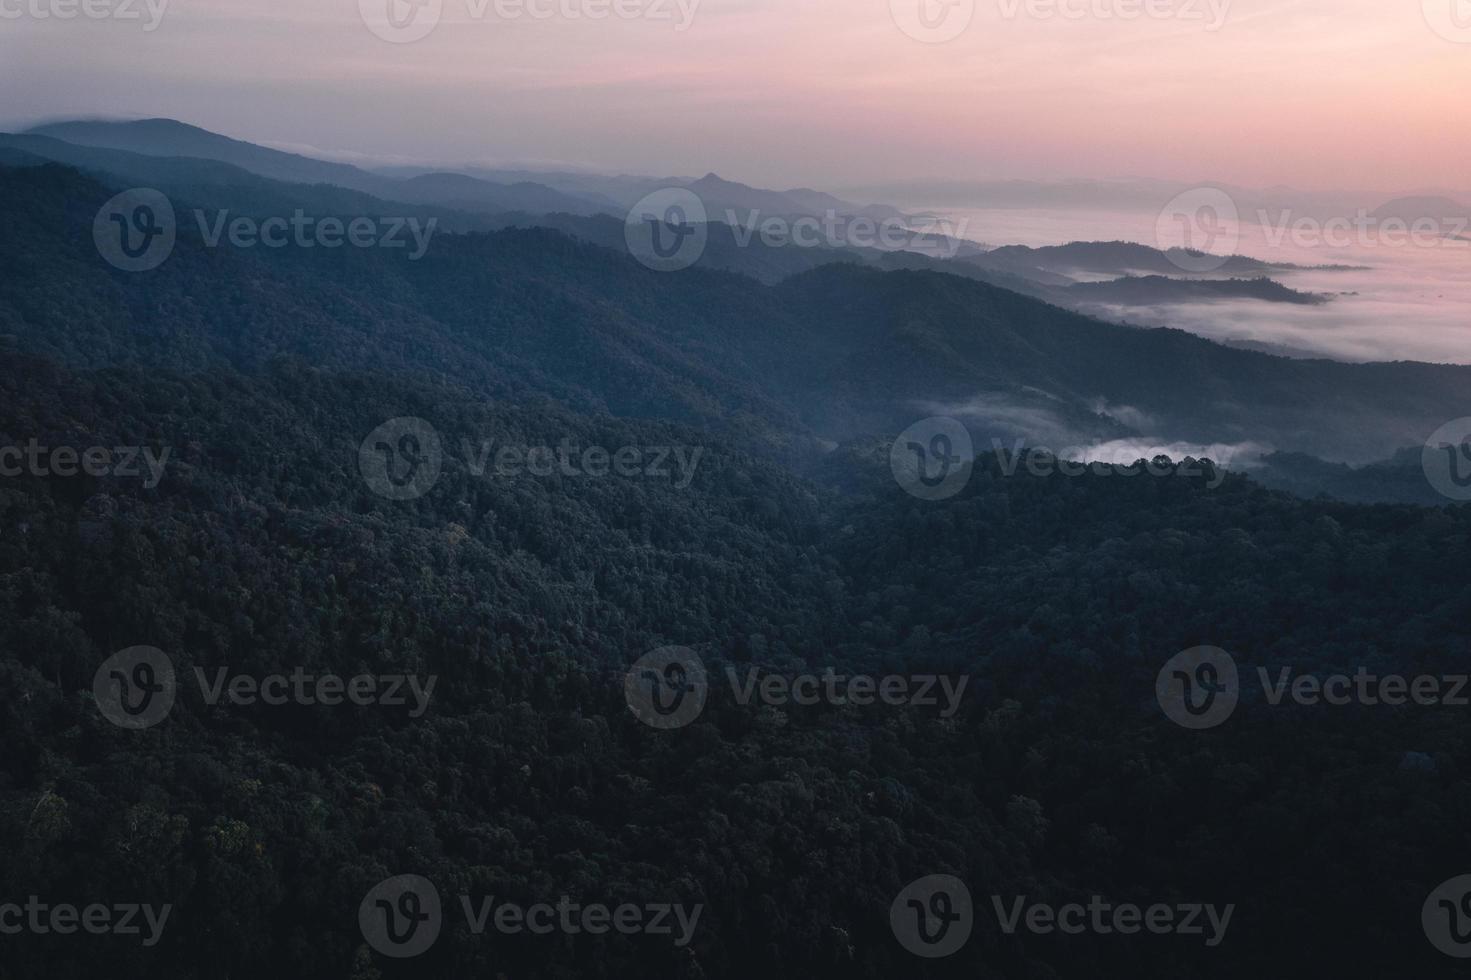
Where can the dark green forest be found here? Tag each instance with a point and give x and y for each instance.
(792, 549)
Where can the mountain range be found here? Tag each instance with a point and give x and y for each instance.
(841, 351)
(472, 189)
(271, 546)
(180, 158)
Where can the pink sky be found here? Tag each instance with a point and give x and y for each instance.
(1313, 93)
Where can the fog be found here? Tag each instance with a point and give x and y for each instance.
(1412, 301)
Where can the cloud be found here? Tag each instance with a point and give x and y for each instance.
(1009, 423)
(1239, 455)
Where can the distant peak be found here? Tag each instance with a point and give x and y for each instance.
(155, 124)
(161, 122)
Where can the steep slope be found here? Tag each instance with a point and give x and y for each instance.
(170, 138)
(792, 827)
(839, 352)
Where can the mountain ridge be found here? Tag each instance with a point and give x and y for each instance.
(838, 352)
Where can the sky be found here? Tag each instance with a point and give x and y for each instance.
(826, 93)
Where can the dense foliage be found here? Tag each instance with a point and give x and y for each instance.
(263, 549)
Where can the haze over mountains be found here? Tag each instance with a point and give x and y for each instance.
(721, 489)
(987, 351)
(484, 198)
(776, 385)
(822, 351)
(475, 189)
(1145, 193)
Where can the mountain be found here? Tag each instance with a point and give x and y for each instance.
(170, 138)
(623, 191)
(481, 190)
(1433, 207)
(1095, 297)
(1016, 366)
(130, 165)
(1069, 195)
(226, 186)
(1141, 196)
(262, 552)
(1150, 290)
(839, 352)
(1399, 479)
(1051, 602)
(13, 156)
(619, 192)
(723, 198)
(1124, 259)
(469, 194)
(820, 202)
(1036, 283)
(1439, 216)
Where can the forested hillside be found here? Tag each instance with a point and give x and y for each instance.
(838, 352)
(263, 547)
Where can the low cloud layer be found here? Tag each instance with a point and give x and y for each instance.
(1002, 423)
(1407, 302)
